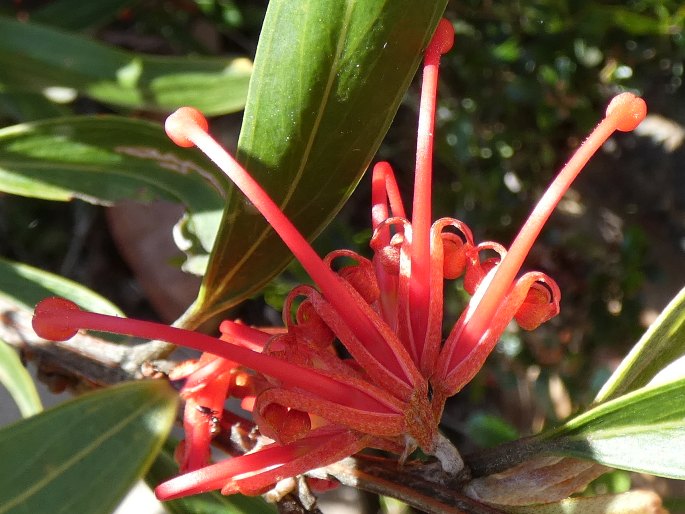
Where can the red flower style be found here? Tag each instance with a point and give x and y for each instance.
(387, 313)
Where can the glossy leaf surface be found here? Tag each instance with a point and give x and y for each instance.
(25, 286)
(18, 382)
(328, 79)
(641, 431)
(107, 158)
(35, 57)
(84, 455)
(661, 344)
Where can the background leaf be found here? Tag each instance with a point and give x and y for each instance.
(165, 467)
(18, 382)
(35, 57)
(487, 430)
(78, 15)
(104, 159)
(641, 431)
(22, 106)
(84, 455)
(328, 79)
(25, 286)
(660, 345)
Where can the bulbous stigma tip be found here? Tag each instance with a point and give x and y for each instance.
(443, 39)
(630, 109)
(180, 122)
(52, 319)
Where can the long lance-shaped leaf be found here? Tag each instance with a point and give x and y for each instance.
(35, 57)
(25, 286)
(663, 343)
(641, 431)
(18, 382)
(84, 455)
(328, 79)
(108, 158)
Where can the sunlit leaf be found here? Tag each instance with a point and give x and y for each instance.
(84, 455)
(107, 158)
(35, 58)
(25, 286)
(18, 382)
(641, 431)
(328, 79)
(661, 344)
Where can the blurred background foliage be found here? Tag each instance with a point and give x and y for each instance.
(524, 84)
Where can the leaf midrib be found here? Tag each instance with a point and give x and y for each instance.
(308, 148)
(82, 453)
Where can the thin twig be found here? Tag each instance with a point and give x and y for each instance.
(423, 486)
(84, 361)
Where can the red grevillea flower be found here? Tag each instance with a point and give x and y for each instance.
(387, 312)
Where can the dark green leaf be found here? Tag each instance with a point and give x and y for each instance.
(35, 58)
(22, 106)
(165, 467)
(25, 286)
(84, 455)
(18, 382)
(627, 19)
(108, 158)
(77, 15)
(487, 430)
(641, 431)
(663, 343)
(328, 78)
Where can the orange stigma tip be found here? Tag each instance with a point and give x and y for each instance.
(51, 319)
(443, 39)
(630, 109)
(180, 122)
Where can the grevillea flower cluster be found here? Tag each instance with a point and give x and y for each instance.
(389, 390)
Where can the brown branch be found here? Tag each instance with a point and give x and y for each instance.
(291, 504)
(423, 486)
(84, 361)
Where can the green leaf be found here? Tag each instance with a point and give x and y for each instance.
(487, 430)
(84, 455)
(78, 15)
(35, 57)
(18, 382)
(25, 286)
(23, 106)
(107, 158)
(642, 431)
(328, 79)
(663, 343)
(165, 467)
(632, 22)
